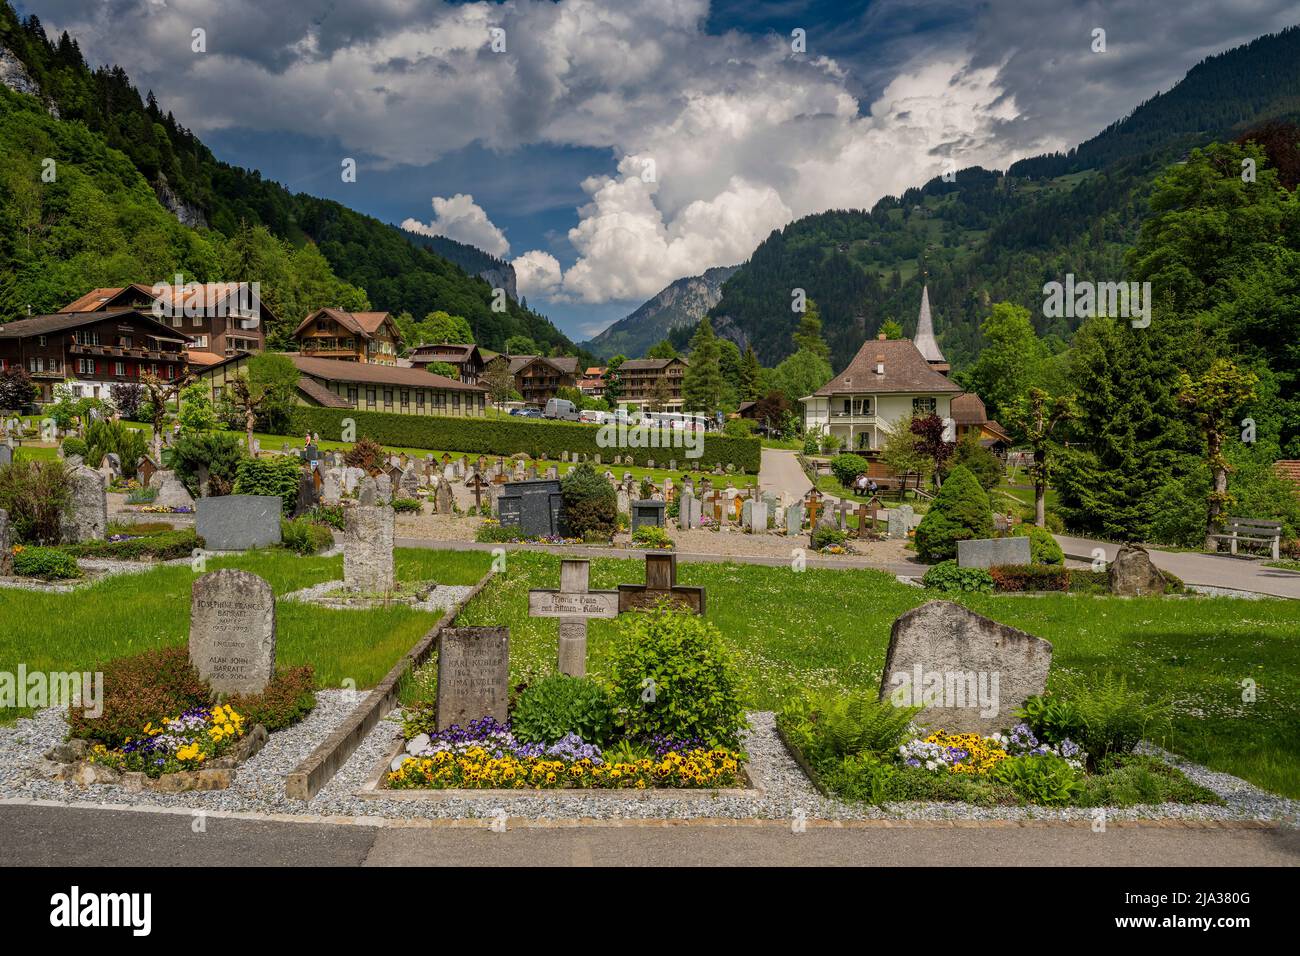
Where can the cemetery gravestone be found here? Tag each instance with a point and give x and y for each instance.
(473, 674)
(573, 604)
(968, 672)
(232, 631)
(532, 506)
(368, 550)
(794, 519)
(660, 584)
(88, 518)
(688, 512)
(758, 517)
(647, 512)
(6, 455)
(987, 552)
(1132, 573)
(238, 522)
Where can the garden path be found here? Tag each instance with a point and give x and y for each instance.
(1213, 570)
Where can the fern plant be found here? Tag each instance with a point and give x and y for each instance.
(832, 726)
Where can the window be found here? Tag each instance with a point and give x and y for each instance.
(197, 321)
(352, 395)
(41, 341)
(924, 406)
(200, 342)
(85, 366)
(419, 400)
(388, 397)
(861, 406)
(119, 369)
(406, 398)
(86, 338)
(439, 399)
(124, 341)
(370, 398)
(455, 401)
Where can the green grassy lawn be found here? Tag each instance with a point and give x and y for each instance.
(33, 453)
(830, 629)
(130, 613)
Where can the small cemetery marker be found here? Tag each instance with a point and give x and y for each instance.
(473, 674)
(477, 483)
(660, 584)
(573, 604)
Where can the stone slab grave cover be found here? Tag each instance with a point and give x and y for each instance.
(988, 552)
(648, 512)
(238, 522)
(532, 506)
(473, 674)
(573, 604)
(368, 549)
(232, 631)
(969, 673)
(88, 518)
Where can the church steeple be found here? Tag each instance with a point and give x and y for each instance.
(924, 339)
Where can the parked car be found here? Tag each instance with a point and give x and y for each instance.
(530, 412)
(561, 409)
(593, 416)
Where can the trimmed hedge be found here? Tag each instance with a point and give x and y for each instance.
(1030, 577)
(507, 436)
(163, 546)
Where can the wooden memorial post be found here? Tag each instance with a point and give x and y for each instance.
(573, 604)
(814, 506)
(478, 484)
(716, 499)
(660, 584)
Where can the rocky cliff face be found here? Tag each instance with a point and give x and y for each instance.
(684, 302)
(15, 76)
(186, 213)
(501, 277)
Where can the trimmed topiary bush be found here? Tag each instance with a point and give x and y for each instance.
(304, 537)
(672, 676)
(959, 512)
(74, 446)
(105, 436)
(278, 476)
(48, 564)
(219, 452)
(1030, 577)
(590, 503)
(1043, 548)
(847, 467)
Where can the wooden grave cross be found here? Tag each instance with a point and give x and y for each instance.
(716, 499)
(814, 506)
(660, 584)
(478, 484)
(573, 604)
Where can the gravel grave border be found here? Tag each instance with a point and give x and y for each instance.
(784, 792)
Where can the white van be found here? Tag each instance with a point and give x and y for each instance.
(561, 409)
(592, 416)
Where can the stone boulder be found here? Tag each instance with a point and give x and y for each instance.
(172, 493)
(1133, 574)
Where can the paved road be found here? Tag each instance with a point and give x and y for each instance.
(779, 473)
(1216, 570)
(40, 835)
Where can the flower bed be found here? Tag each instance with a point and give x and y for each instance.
(858, 748)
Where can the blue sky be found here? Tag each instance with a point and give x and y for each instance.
(612, 147)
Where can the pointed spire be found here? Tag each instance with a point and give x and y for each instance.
(924, 339)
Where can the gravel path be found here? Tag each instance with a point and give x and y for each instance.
(785, 792)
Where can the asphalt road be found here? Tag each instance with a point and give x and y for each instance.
(63, 836)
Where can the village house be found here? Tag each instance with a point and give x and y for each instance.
(970, 416)
(887, 380)
(362, 337)
(367, 387)
(93, 350)
(592, 383)
(222, 318)
(468, 360)
(538, 377)
(653, 381)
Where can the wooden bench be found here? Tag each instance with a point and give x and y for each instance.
(1254, 531)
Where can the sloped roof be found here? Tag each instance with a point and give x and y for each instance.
(1288, 469)
(100, 300)
(204, 358)
(924, 338)
(319, 394)
(364, 324)
(906, 371)
(651, 364)
(97, 299)
(968, 409)
(457, 352)
(333, 370)
(63, 321)
(566, 364)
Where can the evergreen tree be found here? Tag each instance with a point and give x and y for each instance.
(750, 372)
(808, 336)
(702, 382)
(662, 350)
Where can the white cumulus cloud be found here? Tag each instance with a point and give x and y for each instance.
(464, 220)
(537, 273)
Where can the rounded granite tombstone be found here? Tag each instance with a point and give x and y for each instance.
(232, 631)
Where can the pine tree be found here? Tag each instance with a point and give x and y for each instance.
(808, 335)
(702, 383)
(749, 375)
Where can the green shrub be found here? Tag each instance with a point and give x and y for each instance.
(847, 467)
(508, 436)
(982, 463)
(1047, 780)
(366, 454)
(330, 515)
(1129, 780)
(822, 538)
(1103, 715)
(947, 576)
(164, 546)
(494, 533)
(1043, 548)
(672, 675)
(36, 494)
(406, 506)
(1053, 522)
(1030, 577)
(219, 452)
(830, 725)
(959, 512)
(141, 496)
(140, 689)
(74, 446)
(560, 705)
(590, 503)
(1051, 717)
(653, 537)
(277, 476)
(49, 564)
(304, 537)
(105, 436)
(288, 698)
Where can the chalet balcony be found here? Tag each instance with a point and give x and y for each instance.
(113, 351)
(841, 417)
